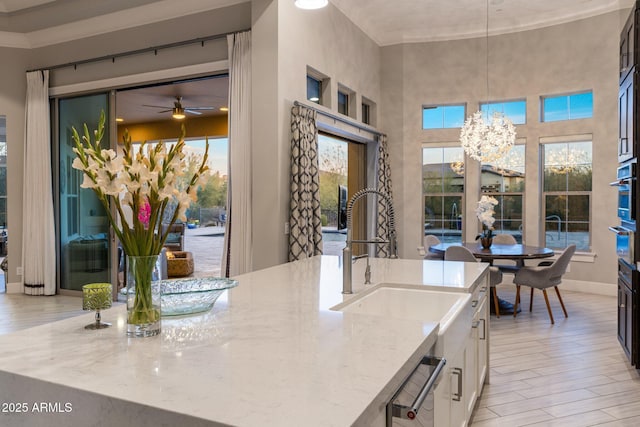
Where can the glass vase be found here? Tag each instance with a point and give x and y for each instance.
(486, 241)
(143, 297)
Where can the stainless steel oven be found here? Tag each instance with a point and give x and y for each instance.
(626, 183)
(624, 243)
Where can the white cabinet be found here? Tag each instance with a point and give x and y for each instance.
(481, 332)
(467, 368)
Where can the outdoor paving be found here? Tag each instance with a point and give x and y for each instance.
(205, 245)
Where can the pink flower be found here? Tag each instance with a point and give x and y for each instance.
(144, 213)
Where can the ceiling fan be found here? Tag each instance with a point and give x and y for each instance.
(178, 111)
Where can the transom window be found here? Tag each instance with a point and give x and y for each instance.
(516, 111)
(343, 103)
(566, 191)
(314, 90)
(567, 107)
(504, 179)
(443, 191)
(443, 116)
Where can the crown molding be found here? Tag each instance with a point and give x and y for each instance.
(120, 20)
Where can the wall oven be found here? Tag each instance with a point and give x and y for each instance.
(624, 243)
(626, 182)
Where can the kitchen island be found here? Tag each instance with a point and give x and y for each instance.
(272, 352)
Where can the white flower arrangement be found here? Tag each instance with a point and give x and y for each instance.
(485, 212)
(147, 177)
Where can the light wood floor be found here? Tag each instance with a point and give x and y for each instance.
(573, 373)
(19, 311)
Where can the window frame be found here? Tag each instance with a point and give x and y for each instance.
(444, 107)
(460, 221)
(568, 96)
(503, 102)
(567, 193)
(499, 195)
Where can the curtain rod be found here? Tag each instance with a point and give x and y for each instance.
(154, 49)
(340, 119)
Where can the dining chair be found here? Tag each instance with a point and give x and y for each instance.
(544, 276)
(513, 266)
(460, 253)
(428, 241)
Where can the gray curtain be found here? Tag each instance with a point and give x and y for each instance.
(383, 184)
(305, 237)
(237, 255)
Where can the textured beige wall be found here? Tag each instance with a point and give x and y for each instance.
(328, 42)
(13, 89)
(559, 59)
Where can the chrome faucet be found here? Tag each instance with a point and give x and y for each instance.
(347, 257)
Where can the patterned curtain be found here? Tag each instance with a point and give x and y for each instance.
(305, 237)
(383, 184)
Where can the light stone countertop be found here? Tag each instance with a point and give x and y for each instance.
(270, 352)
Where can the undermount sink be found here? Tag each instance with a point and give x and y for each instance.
(416, 304)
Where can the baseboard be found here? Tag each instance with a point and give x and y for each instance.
(597, 288)
(14, 288)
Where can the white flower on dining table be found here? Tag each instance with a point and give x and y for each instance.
(485, 213)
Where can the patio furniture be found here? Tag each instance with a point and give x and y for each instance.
(175, 238)
(179, 264)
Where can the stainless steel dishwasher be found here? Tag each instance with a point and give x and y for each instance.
(412, 404)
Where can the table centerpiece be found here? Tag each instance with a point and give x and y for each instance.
(485, 212)
(144, 179)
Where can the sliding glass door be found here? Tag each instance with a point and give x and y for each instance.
(82, 224)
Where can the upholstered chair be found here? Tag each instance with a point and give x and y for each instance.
(428, 241)
(508, 266)
(546, 275)
(460, 253)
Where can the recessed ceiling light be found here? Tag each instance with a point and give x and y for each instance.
(224, 108)
(119, 119)
(311, 4)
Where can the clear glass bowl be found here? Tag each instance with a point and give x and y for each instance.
(192, 295)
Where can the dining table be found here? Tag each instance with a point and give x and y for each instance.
(496, 251)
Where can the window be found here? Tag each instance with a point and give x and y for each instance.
(314, 90)
(443, 116)
(504, 179)
(516, 111)
(366, 114)
(318, 86)
(343, 103)
(368, 111)
(442, 190)
(567, 107)
(566, 191)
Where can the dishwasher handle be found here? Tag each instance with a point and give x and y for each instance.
(410, 412)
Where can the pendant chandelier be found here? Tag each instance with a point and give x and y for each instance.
(487, 139)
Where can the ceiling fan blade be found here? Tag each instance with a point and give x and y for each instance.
(165, 111)
(201, 108)
(155, 106)
(189, 110)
